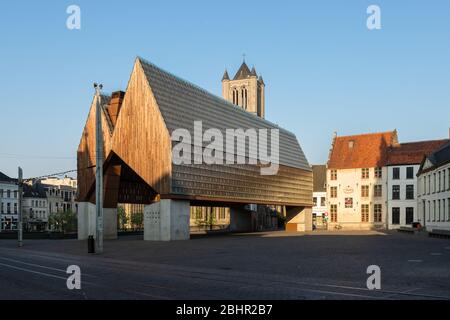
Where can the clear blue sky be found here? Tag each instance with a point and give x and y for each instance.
(324, 70)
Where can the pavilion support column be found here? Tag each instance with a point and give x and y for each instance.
(167, 220)
(240, 219)
(298, 219)
(110, 223)
(110, 200)
(86, 220)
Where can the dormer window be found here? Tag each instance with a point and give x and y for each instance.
(351, 144)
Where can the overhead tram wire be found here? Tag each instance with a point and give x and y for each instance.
(57, 174)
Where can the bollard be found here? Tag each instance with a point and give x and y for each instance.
(91, 244)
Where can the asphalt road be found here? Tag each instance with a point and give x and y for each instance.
(275, 265)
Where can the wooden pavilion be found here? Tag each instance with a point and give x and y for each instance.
(139, 168)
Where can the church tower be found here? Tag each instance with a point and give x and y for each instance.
(245, 90)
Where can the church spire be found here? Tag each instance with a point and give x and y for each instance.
(225, 75)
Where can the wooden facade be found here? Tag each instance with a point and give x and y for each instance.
(138, 164)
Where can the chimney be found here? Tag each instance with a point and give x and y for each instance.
(114, 105)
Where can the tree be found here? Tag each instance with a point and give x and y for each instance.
(63, 221)
(122, 217)
(137, 220)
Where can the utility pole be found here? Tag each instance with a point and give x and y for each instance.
(19, 205)
(98, 170)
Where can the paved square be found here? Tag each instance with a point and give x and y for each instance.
(271, 265)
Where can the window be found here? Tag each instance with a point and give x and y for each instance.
(333, 174)
(429, 211)
(438, 210)
(378, 173)
(315, 201)
(1, 207)
(333, 192)
(443, 181)
(448, 209)
(1, 193)
(410, 173)
(429, 184)
(364, 213)
(395, 192)
(439, 182)
(395, 216)
(409, 219)
(15, 208)
(409, 192)
(15, 194)
(434, 210)
(8, 207)
(424, 208)
(322, 202)
(424, 191)
(378, 190)
(8, 194)
(448, 180)
(365, 173)
(396, 173)
(377, 213)
(365, 191)
(333, 212)
(434, 182)
(349, 203)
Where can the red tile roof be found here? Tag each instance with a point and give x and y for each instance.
(361, 151)
(412, 152)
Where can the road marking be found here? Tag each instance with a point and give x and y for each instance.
(447, 248)
(41, 266)
(416, 261)
(32, 271)
(436, 254)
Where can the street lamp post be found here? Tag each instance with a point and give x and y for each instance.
(19, 205)
(98, 170)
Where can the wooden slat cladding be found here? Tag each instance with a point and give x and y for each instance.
(140, 137)
(243, 183)
(86, 152)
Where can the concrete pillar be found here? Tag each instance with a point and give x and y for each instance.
(240, 219)
(109, 223)
(167, 220)
(86, 221)
(298, 219)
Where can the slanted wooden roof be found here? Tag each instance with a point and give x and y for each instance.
(181, 103)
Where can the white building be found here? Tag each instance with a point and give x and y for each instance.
(403, 164)
(61, 194)
(35, 208)
(357, 180)
(319, 210)
(8, 203)
(434, 190)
